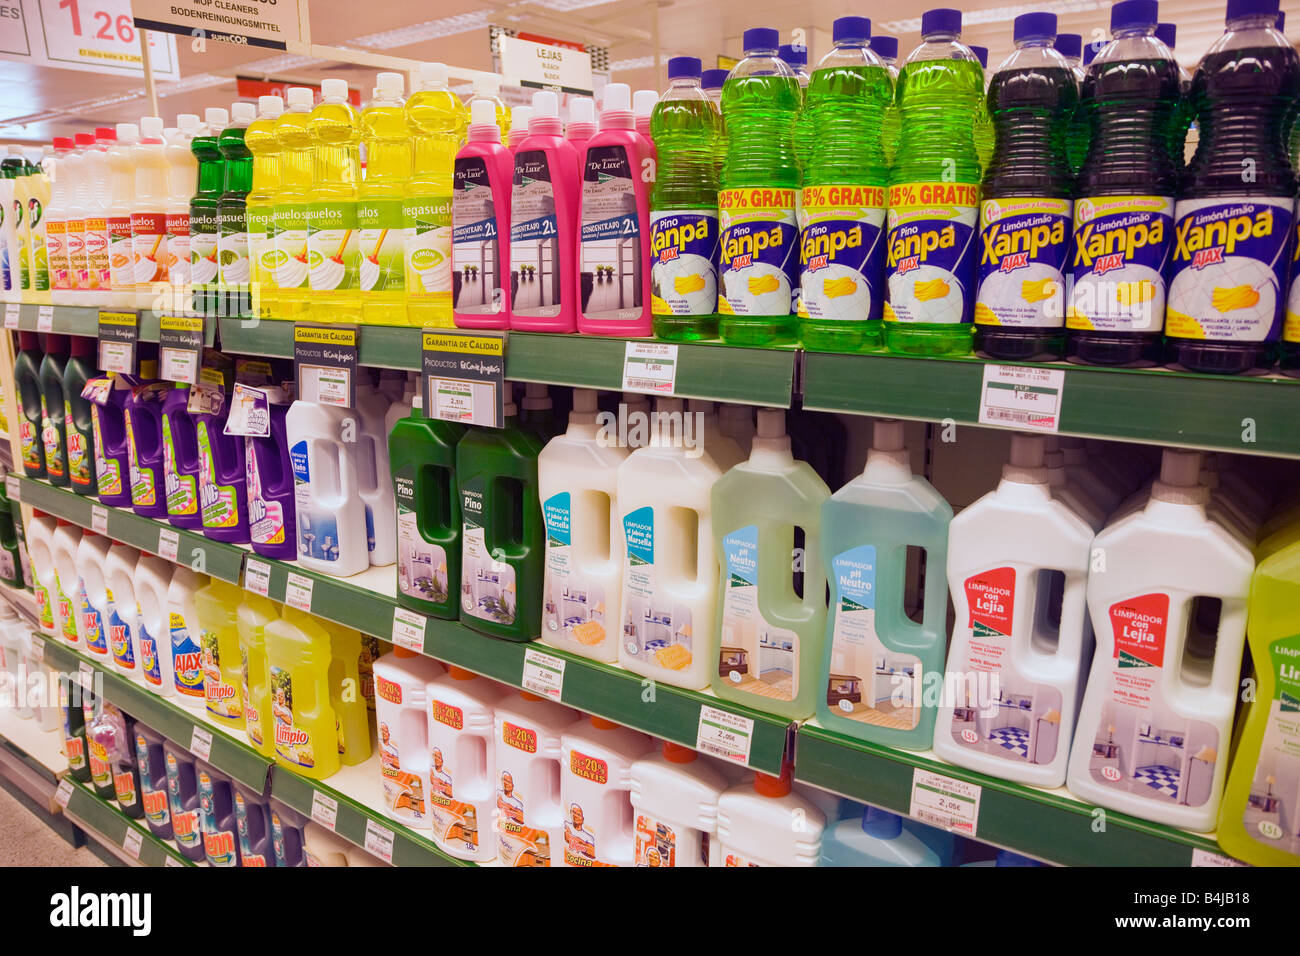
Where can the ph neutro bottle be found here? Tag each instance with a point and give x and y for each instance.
(480, 214)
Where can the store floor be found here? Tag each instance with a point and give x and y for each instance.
(26, 841)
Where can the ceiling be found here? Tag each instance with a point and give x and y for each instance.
(37, 102)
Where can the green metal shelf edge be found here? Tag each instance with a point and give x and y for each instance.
(84, 321)
(111, 825)
(224, 561)
(228, 755)
(1024, 819)
(1144, 405)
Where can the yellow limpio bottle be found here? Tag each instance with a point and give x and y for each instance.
(289, 209)
(1259, 820)
(303, 722)
(218, 604)
(255, 612)
(437, 120)
(346, 694)
(259, 204)
(333, 247)
(379, 204)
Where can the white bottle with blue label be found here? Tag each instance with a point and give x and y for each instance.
(331, 514)
(124, 613)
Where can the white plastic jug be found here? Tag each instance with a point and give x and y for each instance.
(375, 476)
(320, 847)
(45, 577)
(1069, 493)
(756, 824)
(595, 792)
(331, 516)
(63, 545)
(1021, 666)
(185, 634)
(530, 822)
(722, 448)
(123, 610)
(95, 609)
(462, 764)
(1155, 726)
(577, 477)
(13, 666)
(675, 804)
(152, 577)
(401, 681)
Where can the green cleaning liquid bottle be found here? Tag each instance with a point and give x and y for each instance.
(686, 128)
(289, 211)
(771, 635)
(379, 209)
(333, 247)
(259, 205)
(503, 537)
(886, 47)
(759, 258)
(77, 418)
(934, 194)
(795, 56)
(204, 229)
(232, 221)
(841, 236)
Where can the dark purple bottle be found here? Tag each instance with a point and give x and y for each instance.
(272, 522)
(223, 484)
(180, 461)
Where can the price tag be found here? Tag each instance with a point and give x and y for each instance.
(650, 367)
(1206, 858)
(1017, 396)
(725, 735)
(324, 810)
(38, 649)
(543, 674)
(13, 311)
(180, 348)
(379, 841)
(64, 793)
(13, 488)
(201, 743)
(45, 319)
(945, 803)
(464, 375)
(132, 842)
(99, 519)
(297, 592)
(325, 360)
(257, 577)
(118, 333)
(172, 861)
(169, 543)
(408, 629)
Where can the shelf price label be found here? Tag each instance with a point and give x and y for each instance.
(543, 674)
(325, 364)
(724, 735)
(1018, 396)
(944, 802)
(379, 841)
(408, 629)
(99, 519)
(169, 543)
(464, 376)
(172, 861)
(297, 592)
(180, 348)
(324, 810)
(13, 311)
(650, 368)
(257, 577)
(64, 793)
(132, 842)
(45, 319)
(1207, 858)
(118, 335)
(201, 743)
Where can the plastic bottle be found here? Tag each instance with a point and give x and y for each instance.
(842, 219)
(9, 215)
(1026, 209)
(876, 838)
(303, 719)
(437, 120)
(181, 177)
(272, 524)
(149, 211)
(754, 824)
(183, 637)
(503, 535)
(112, 765)
(333, 250)
(1180, 135)
(1023, 664)
(674, 798)
(330, 515)
(289, 210)
(374, 485)
(758, 264)
(528, 769)
(1070, 46)
(217, 816)
(217, 606)
(596, 757)
(1153, 734)
(383, 233)
(183, 800)
(934, 194)
(287, 834)
(181, 460)
(480, 219)
(487, 86)
(544, 224)
(12, 555)
(151, 763)
(142, 415)
(93, 606)
(234, 268)
(55, 219)
(121, 175)
(1123, 213)
(401, 679)
(127, 785)
(53, 417)
(75, 237)
(122, 618)
(78, 428)
(1225, 304)
(1069, 493)
(321, 847)
(37, 199)
(520, 118)
(222, 477)
(45, 577)
(253, 827)
(462, 758)
(150, 582)
(259, 205)
(31, 402)
(67, 612)
(251, 618)
(581, 125)
(643, 104)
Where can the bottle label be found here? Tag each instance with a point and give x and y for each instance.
(66, 614)
(1268, 817)
(370, 652)
(610, 238)
(454, 821)
(40, 256)
(232, 249)
(52, 437)
(119, 638)
(683, 262)
(265, 515)
(1141, 748)
(290, 246)
(33, 444)
(475, 244)
(187, 658)
(487, 585)
(1024, 250)
(124, 787)
(98, 272)
(842, 252)
(758, 261)
(181, 490)
(204, 234)
(45, 610)
(150, 665)
(149, 247)
(222, 698)
(1291, 325)
(108, 471)
(657, 843)
(100, 770)
(75, 242)
(121, 259)
(572, 605)
(868, 682)
(292, 742)
(1121, 244)
(80, 457)
(333, 251)
(143, 488)
(403, 790)
(91, 623)
(421, 566)
(185, 823)
(261, 245)
(536, 256)
(178, 249)
(657, 632)
(218, 501)
(755, 657)
(428, 244)
(383, 245)
(932, 252)
(56, 250)
(1228, 271)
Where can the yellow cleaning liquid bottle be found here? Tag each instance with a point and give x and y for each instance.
(379, 206)
(347, 698)
(254, 614)
(333, 246)
(437, 120)
(289, 216)
(218, 606)
(303, 722)
(1259, 821)
(37, 199)
(259, 204)
(487, 86)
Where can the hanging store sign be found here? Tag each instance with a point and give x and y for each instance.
(271, 24)
(543, 66)
(96, 36)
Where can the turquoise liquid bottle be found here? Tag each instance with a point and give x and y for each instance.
(687, 129)
(842, 220)
(759, 257)
(934, 194)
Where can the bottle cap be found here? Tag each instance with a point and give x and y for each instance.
(584, 406)
(769, 786)
(520, 117)
(242, 114)
(1167, 33)
(643, 102)
(105, 133)
(1281, 20)
(482, 113)
(793, 55)
(126, 132)
(1090, 52)
(887, 435)
(536, 396)
(713, 79)
(600, 723)
(85, 139)
(1179, 481)
(884, 46)
(1026, 463)
(618, 98)
(270, 107)
(1033, 25)
(63, 142)
(1069, 45)
(582, 109)
(684, 66)
(509, 410)
(881, 823)
(546, 105)
(391, 84)
(399, 651)
(459, 673)
(675, 753)
(216, 118)
(771, 423)
(151, 127)
(761, 38)
(433, 76)
(1238, 8)
(299, 97)
(487, 83)
(1133, 14)
(981, 54)
(845, 29)
(334, 89)
(942, 20)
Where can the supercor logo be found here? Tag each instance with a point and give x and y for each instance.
(75, 909)
(1206, 243)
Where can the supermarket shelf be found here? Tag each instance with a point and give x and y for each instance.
(84, 320)
(42, 750)
(1048, 824)
(1143, 405)
(108, 824)
(220, 560)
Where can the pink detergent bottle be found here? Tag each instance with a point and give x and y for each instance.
(480, 224)
(614, 219)
(544, 224)
(581, 125)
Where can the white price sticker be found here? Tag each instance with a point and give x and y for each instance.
(172, 861)
(1017, 396)
(379, 841)
(945, 803)
(38, 649)
(169, 543)
(297, 592)
(408, 629)
(650, 367)
(1207, 858)
(99, 519)
(12, 312)
(724, 735)
(324, 810)
(132, 842)
(543, 674)
(64, 793)
(257, 577)
(45, 319)
(201, 743)
(13, 488)
(116, 356)
(179, 365)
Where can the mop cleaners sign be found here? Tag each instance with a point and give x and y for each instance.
(96, 36)
(271, 24)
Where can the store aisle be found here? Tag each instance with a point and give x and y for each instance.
(26, 841)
